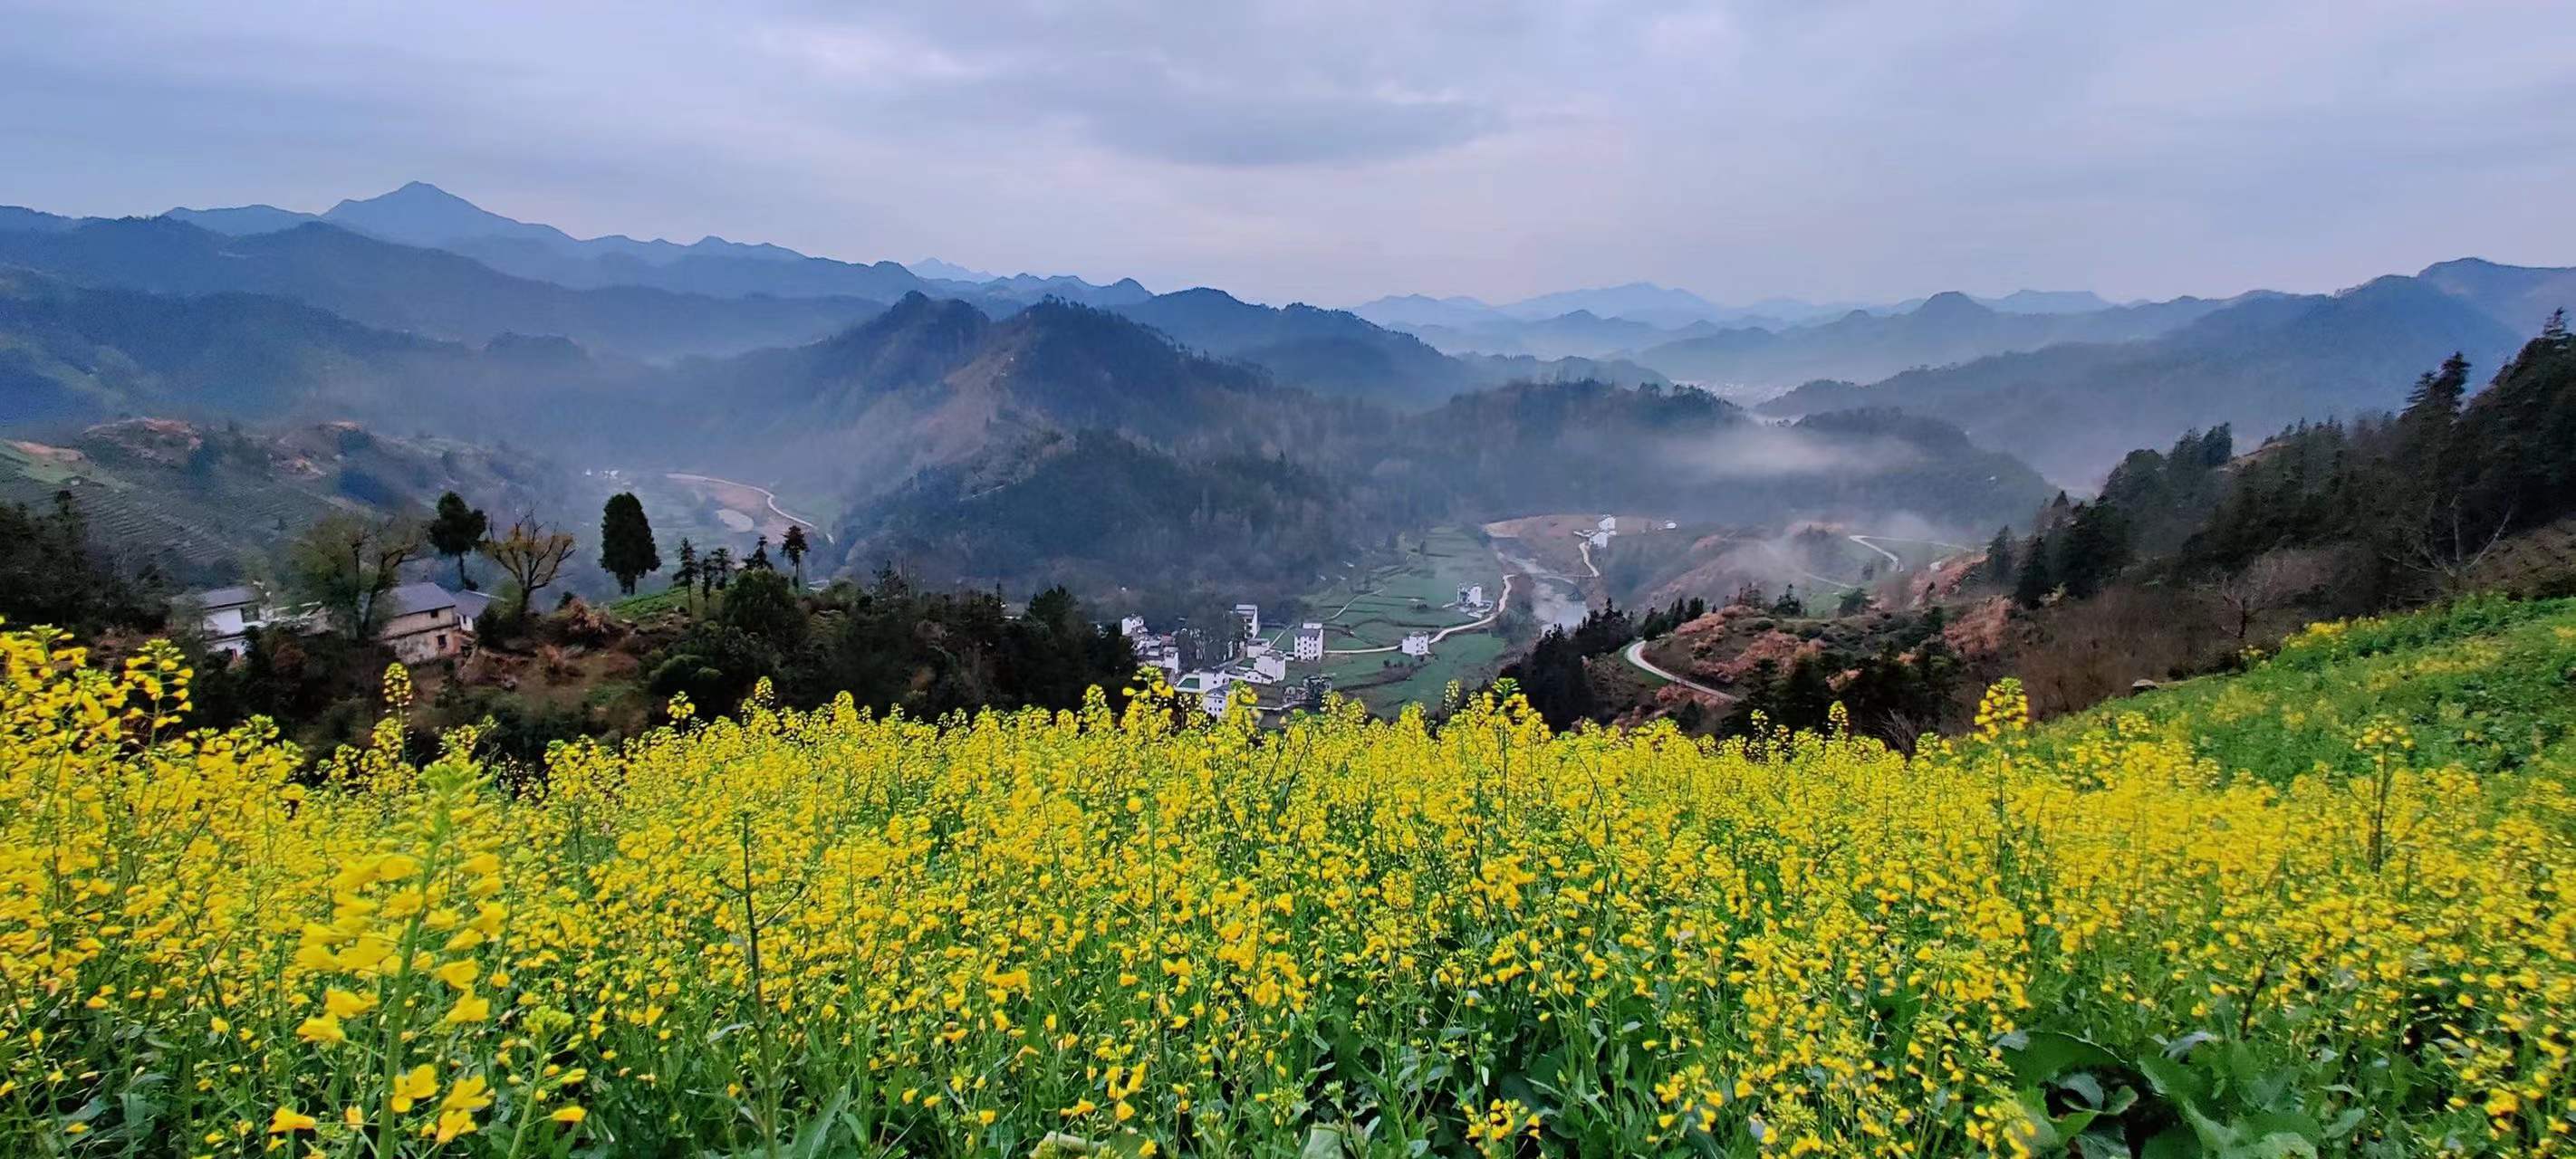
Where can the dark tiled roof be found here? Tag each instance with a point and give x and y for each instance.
(414, 598)
(231, 597)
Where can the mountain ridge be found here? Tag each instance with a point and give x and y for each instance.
(2260, 364)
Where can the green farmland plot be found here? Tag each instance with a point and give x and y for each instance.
(1377, 609)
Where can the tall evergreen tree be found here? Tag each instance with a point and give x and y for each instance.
(1553, 679)
(685, 577)
(793, 547)
(2032, 586)
(2427, 428)
(2094, 549)
(51, 573)
(1999, 558)
(759, 560)
(456, 531)
(626, 541)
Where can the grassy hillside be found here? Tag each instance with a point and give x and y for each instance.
(2172, 927)
(2487, 686)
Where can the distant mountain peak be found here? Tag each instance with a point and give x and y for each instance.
(2461, 265)
(412, 193)
(949, 271)
(1641, 301)
(423, 214)
(1950, 304)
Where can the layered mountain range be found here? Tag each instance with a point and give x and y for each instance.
(1025, 428)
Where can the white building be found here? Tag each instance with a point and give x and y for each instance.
(1609, 523)
(1209, 687)
(226, 616)
(1669, 525)
(1599, 539)
(1268, 668)
(1471, 596)
(1248, 618)
(1309, 644)
(1131, 626)
(1416, 644)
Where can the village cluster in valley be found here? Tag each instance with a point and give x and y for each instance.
(1210, 671)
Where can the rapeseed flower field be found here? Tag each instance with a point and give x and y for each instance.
(2220, 920)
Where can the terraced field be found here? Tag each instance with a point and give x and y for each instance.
(199, 532)
(208, 504)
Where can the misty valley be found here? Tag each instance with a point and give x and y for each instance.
(1708, 580)
(207, 384)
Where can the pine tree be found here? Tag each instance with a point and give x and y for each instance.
(1805, 696)
(2427, 426)
(2032, 586)
(685, 577)
(2094, 549)
(626, 541)
(793, 547)
(456, 531)
(1999, 558)
(759, 560)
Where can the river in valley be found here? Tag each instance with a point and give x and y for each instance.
(1554, 598)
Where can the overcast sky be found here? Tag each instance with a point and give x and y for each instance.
(1331, 152)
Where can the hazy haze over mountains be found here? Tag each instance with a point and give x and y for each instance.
(421, 261)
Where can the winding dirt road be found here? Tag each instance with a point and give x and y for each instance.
(1872, 542)
(1635, 654)
(766, 496)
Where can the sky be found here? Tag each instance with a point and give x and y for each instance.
(1331, 152)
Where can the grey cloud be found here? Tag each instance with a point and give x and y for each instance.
(1335, 150)
(1232, 86)
(1235, 131)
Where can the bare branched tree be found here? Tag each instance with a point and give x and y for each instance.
(2448, 543)
(531, 554)
(2275, 580)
